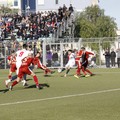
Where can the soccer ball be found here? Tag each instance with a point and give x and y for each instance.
(59, 70)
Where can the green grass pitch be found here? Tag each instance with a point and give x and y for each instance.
(93, 98)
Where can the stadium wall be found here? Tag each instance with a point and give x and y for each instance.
(51, 4)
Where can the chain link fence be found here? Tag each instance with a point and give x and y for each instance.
(54, 53)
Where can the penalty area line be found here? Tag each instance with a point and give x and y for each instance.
(60, 97)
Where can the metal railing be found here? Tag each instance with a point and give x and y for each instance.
(58, 49)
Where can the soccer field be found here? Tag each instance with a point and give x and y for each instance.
(68, 98)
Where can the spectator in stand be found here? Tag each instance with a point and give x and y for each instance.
(24, 35)
(71, 8)
(30, 36)
(64, 8)
(19, 32)
(113, 56)
(36, 36)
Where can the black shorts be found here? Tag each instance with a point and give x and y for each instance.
(85, 64)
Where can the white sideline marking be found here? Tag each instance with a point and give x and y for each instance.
(60, 97)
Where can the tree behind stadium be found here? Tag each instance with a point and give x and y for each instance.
(93, 23)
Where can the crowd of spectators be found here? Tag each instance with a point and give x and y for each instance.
(15, 29)
(33, 26)
(112, 57)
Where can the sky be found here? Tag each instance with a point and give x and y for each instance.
(112, 8)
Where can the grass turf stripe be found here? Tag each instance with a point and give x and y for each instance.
(60, 97)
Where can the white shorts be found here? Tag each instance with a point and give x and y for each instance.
(70, 64)
(18, 64)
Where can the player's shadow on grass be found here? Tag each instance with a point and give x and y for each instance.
(47, 76)
(81, 76)
(4, 90)
(43, 85)
(38, 72)
(29, 79)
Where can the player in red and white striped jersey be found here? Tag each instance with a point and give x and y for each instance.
(38, 64)
(84, 62)
(24, 69)
(78, 63)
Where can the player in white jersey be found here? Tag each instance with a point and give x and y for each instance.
(71, 60)
(21, 54)
(70, 63)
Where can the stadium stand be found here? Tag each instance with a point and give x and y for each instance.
(38, 25)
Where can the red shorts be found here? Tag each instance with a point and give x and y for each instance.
(78, 64)
(13, 68)
(23, 71)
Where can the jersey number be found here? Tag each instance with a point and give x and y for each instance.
(21, 53)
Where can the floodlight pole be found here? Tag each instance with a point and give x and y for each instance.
(44, 52)
(100, 52)
(5, 54)
(61, 52)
